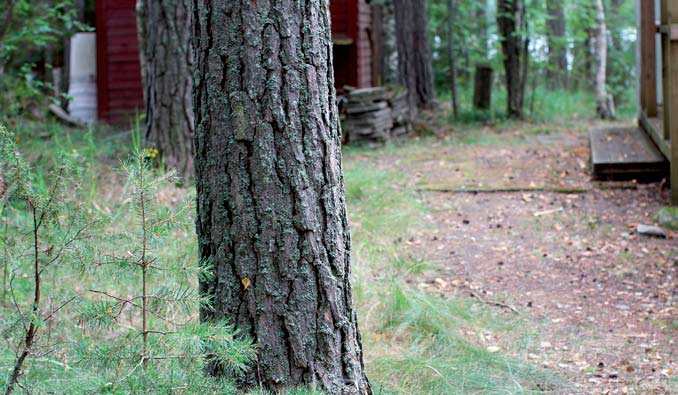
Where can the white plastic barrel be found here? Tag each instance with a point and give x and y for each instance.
(82, 88)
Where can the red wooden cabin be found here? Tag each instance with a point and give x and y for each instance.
(119, 86)
(351, 26)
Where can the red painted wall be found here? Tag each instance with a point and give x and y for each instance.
(363, 49)
(351, 21)
(120, 92)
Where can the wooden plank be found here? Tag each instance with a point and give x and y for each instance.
(625, 153)
(118, 69)
(670, 30)
(648, 52)
(670, 16)
(354, 33)
(623, 145)
(364, 45)
(654, 127)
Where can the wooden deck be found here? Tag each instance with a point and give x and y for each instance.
(654, 126)
(661, 126)
(626, 154)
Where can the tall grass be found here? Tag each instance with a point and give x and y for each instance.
(419, 342)
(416, 342)
(541, 105)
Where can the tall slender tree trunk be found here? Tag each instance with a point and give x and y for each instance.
(270, 196)
(414, 52)
(452, 12)
(604, 101)
(557, 72)
(617, 69)
(6, 17)
(512, 24)
(167, 61)
(481, 15)
(588, 66)
(390, 45)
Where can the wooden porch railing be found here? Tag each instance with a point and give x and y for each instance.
(661, 122)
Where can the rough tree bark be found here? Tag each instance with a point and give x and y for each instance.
(414, 53)
(587, 71)
(482, 87)
(452, 12)
(167, 61)
(604, 101)
(390, 47)
(271, 203)
(512, 25)
(557, 72)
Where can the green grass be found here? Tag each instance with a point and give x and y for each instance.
(442, 349)
(418, 342)
(668, 217)
(542, 105)
(415, 342)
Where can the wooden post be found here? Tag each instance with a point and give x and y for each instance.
(670, 49)
(648, 59)
(377, 41)
(482, 91)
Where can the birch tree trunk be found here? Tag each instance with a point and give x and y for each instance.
(167, 62)
(512, 25)
(414, 52)
(604, 101)
(270, 196)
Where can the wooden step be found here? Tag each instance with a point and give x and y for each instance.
(626, 154)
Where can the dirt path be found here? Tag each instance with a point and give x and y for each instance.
(558, 249)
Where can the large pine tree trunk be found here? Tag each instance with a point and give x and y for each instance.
(604, 101)
(167, 62)
(557, 73)
(271, 204)
(414, 52)
(512, 24)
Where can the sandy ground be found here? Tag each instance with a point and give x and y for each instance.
(517, 223)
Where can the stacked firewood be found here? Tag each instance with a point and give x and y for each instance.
(373, 116)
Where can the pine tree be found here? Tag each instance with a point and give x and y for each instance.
(271, 203)
(167, 68)
(414, 53)
(512, 24)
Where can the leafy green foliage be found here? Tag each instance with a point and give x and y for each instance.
(476, 41)
(121, 278)
(33, 28)
(45, 229)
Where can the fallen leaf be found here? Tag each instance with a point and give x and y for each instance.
(246, 282)
(545, 345)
